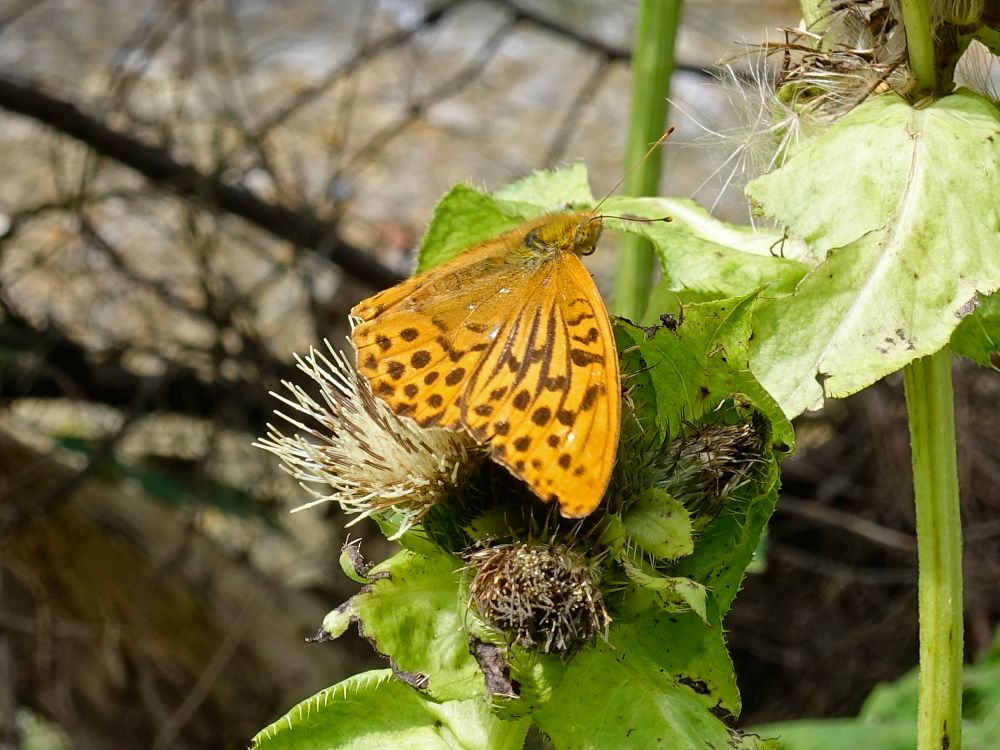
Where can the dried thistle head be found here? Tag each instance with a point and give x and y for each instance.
(824, 76)
(782, 90)
(359, 453)
(542, 596)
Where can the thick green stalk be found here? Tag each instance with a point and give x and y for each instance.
(931, 410)
(920, 43)
(652, 66)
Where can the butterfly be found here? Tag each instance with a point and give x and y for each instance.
(511, 342)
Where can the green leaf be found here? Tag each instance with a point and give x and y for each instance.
(655, 687)
(689, 367)
(726, 548)
(551, 189)
(978, 335)
(901, 201)
(700, 253)
(416, 615)
(886, 721)
(660, 525)
(374, 710)
(466, 216)
(337, 621)
(672, 593)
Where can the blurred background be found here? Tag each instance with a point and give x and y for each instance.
(191, 191)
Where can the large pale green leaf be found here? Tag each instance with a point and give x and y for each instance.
(698, 252)
(904, 200)
(374, 711)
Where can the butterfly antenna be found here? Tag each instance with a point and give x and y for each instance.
(631, 170)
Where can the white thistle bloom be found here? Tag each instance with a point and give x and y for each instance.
(363, 456)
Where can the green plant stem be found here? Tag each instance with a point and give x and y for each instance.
(813, 13)
(652, 66)
(930, 403)
(920, 43)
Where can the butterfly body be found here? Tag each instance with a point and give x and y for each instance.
(510, 341)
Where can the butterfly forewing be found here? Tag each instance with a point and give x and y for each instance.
(547, 396)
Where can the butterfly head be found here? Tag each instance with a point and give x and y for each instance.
(564, 233)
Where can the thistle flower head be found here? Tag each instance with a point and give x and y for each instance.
(350, 448)
(707, 464)
(542, 596)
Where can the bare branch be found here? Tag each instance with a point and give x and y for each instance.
(299, 227)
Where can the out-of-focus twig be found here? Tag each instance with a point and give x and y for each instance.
(296, 226)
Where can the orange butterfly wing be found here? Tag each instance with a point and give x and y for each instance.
(516, 350)
(419, 341)
(548, 395)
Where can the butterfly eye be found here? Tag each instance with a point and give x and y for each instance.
(531, 238)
